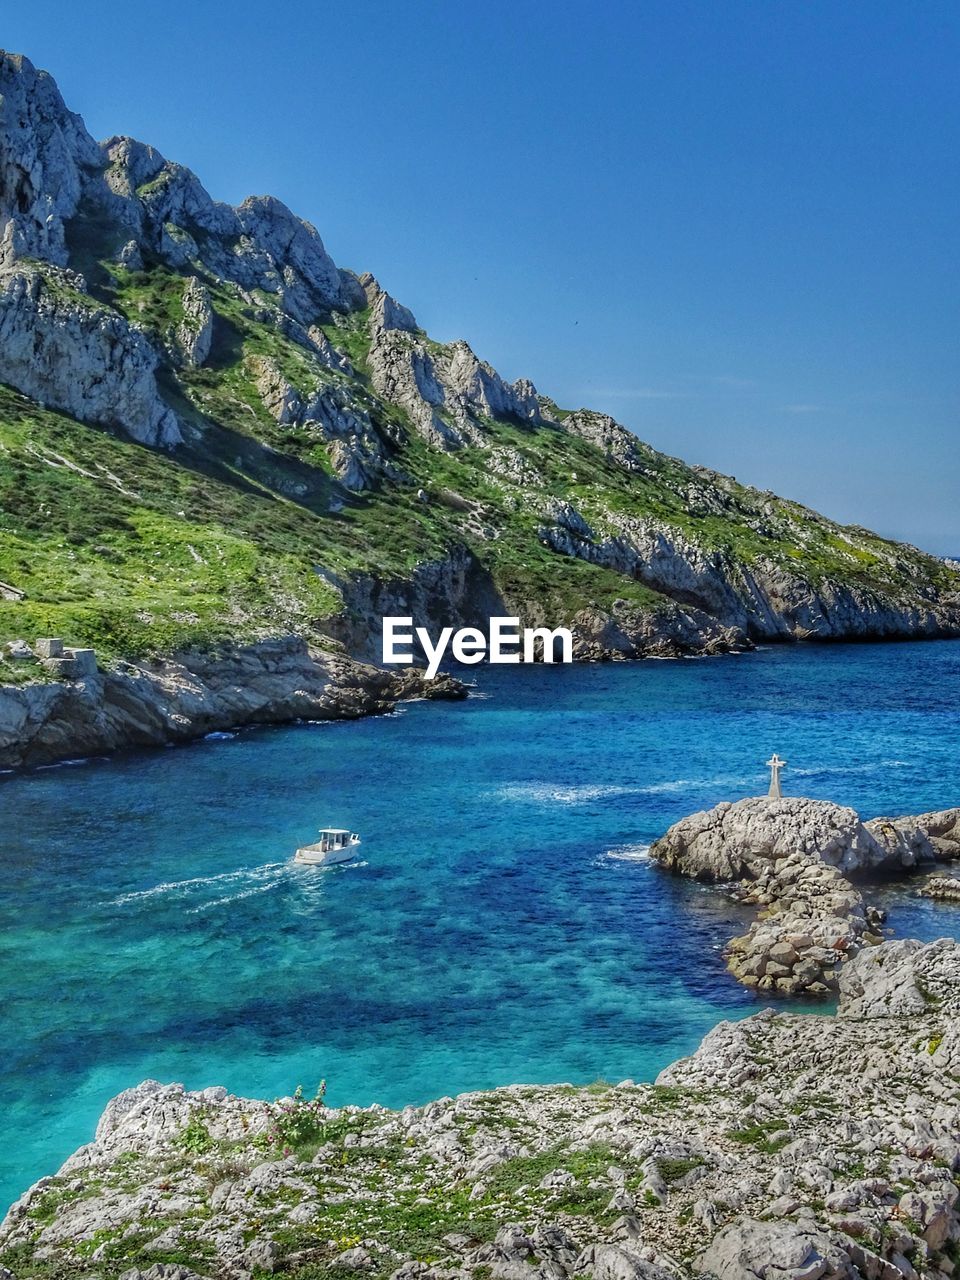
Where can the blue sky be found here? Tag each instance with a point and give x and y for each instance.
(732, 225)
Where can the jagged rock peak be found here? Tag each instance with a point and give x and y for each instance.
(152, 210)
(483, 391)
(131, 164)
(385, 311)
(607, 434)
(49, 164)
(45, 153)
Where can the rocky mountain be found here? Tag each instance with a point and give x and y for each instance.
(210, 433)
(788, 1147)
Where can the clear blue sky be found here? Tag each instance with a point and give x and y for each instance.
(732, 225)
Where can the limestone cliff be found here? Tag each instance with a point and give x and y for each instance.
(152, 703)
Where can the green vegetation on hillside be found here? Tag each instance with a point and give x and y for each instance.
(124, 549)
(138, 552)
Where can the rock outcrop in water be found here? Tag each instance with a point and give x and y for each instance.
(787, 1147)
(946, 888)
(797, 860)
(332, 435)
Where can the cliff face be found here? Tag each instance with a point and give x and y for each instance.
(296, 416)
(821, 1148)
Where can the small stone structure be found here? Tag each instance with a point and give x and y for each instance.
(75, 664)
(66, 662)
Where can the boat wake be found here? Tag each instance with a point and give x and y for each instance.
(733, 781)
(233, 897)
(269, 872)
(71, 763)
(736, 786)
(871, 766)
(546, 793)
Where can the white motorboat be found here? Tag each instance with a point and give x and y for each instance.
(335, 845)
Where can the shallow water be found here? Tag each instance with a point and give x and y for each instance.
(503, 923)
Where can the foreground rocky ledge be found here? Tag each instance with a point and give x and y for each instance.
(155, 703)
(787, 1146)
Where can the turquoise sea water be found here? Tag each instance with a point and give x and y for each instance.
(502, 925)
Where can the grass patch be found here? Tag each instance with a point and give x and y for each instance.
(768, 1136)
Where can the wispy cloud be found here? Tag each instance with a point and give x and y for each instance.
(802, 408)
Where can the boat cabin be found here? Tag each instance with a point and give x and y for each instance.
(333, 838)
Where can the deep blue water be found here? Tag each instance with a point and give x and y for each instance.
(502, 925)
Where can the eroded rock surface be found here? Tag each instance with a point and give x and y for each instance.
(59, 347)
(738, 840)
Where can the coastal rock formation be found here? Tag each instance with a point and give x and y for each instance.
(926, 837)
(812, 920)
(901, 979)
(153, 703)
(671, 631)
(792, 858)
(787, 1147)
(947, 888)
(738, 840)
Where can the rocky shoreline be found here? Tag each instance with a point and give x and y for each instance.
(787, 1147)
(154, 703)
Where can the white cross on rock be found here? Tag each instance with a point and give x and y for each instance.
(775, 764)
